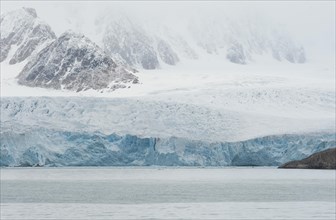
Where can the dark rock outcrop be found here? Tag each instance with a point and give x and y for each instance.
(322, 160)
(73, 62)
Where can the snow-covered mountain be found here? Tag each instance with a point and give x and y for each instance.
(243, 40)
(135, 46)
(73, 62)
(240, 41)
(213, 91)
(22, 34)
(133, 43)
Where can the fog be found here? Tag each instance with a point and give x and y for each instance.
(312, 23)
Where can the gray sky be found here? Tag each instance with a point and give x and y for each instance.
(311, 22)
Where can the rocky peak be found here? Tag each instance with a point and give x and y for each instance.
(31, 11)
(24, 33)
(136, 45)
(74, 62)
(131, 44)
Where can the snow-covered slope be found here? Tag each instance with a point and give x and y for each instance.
(240, 41)
(22, 34)
(135, 46)
(70, 62)
(146, 118)
(73, 62)
(243, 40)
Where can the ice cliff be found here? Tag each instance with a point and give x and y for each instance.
(86, 132)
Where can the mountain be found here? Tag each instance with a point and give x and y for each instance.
(137, 48)
(22, 34)
(70, 62)
(73, 62)
(242, 40)
(321, 160)
(149, 44)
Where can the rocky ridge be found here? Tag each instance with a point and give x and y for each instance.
(321, 160)
(70, 62)
(25, 33)
(74, 62)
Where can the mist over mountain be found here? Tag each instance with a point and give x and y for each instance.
(22, 34)
(241, 42)
(162, 34)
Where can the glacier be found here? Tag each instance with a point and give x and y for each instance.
(71, 131)
(48, 147)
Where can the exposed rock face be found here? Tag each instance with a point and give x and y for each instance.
(25, 32)
(130, 44)
(322, 160)
(136, 46)
(166, 53)
(73, 62)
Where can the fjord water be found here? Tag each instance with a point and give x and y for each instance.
(167, 193)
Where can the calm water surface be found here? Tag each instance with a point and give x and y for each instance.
(167, 193)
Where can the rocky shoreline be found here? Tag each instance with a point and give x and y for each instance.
(322, 160)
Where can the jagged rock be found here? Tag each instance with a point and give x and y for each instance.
(166, 53)
(322, 160)
(73, 62)
(23, 30)
(130, 44)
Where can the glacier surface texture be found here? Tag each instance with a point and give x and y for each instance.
(108, 132)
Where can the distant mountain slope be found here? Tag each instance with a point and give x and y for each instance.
(152, 45)
(147, 45)
(25, 33)
(243, 40)
(73, 62)
(135, 46)
(322, 160)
